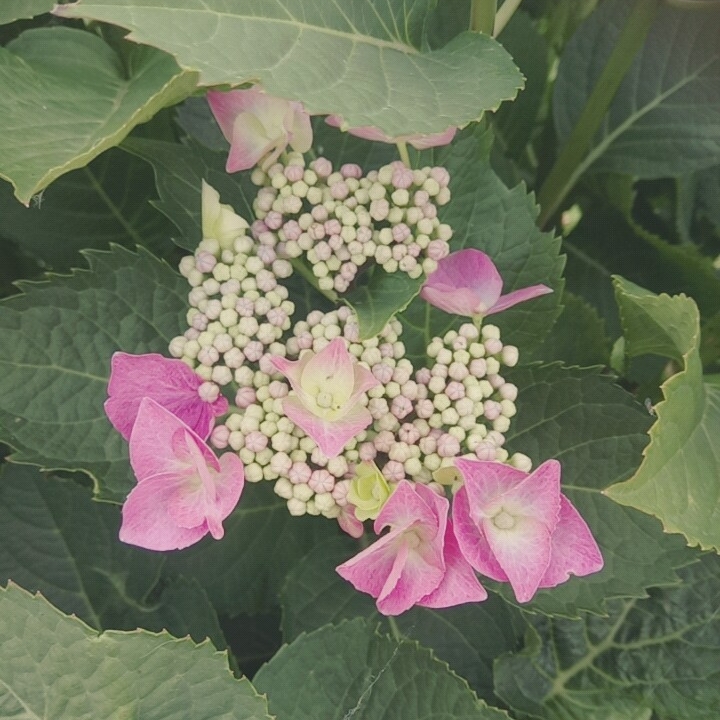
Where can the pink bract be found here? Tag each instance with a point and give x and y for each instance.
(519, 528)
(259, 126)
(327, 388)
(184, 491)
(467, 283)
(420, 142)
(417, 562)
(168, 381)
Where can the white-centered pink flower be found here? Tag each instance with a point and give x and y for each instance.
(467, 283)
(418, 562)
(418, 141)
(518, 527)
(326, 398)
(259, 126)
(169, 382)
(184, 491)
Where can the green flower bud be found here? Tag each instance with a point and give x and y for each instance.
(368, 491)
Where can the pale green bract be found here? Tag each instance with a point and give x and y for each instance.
(358, 60)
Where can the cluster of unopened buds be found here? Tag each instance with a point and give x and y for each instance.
(344, 426)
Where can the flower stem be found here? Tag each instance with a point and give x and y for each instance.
(504, 13)
(300, 267)
(574, 158)
(402, 149)
(395, 629)
(482, 16)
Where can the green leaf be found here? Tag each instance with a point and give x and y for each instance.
(68, 97)
(356, 673)
(516, 121)
(660, 654)
(55, 360)
(485, 215)
(12, 10)
(597, 431)
(578, 337)
(54, 539)
(179, 171)
(244, 572)
(358, 60)
(679, 479)
(105, 202)
(467, 637)
(665, 118)
(54, 666)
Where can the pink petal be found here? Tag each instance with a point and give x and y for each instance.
(349, 523)
(145, 519)
(292, 369)
(363, 380)
(367, 132)
(418, 141)
(331, 368)
(574, 550)
(249, 143)
(523, 552)
(423, 142)
(518, 296)
(472, 541)
(329, 436)
(168, 381)
(226, 106)
(159, 443)
(300, 129)
(460, 584)
(408, 505)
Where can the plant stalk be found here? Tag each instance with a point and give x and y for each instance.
(482, 16)
(403, 151)
(570, 164)
(503, 15)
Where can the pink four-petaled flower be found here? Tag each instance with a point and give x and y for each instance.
(326, 398)
(184, 491)
(168, 381)
(418, 562)
(467, 283)
(259, 126)
(519, 528)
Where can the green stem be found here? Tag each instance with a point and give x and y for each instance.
(482, 16)
(573, 159)
(402, 149)
(394, 628)
(301, 268)
(504, 13)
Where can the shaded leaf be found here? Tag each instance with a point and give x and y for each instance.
(661, 653)
(59, 337)
(321, 55)
(467, 637)
(68, 97)
(12, 10)
(665, 118)
(359, 674)
(105, 202)
(55, 666)
(679, 479)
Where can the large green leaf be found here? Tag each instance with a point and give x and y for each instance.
(54, 539)
(68, 96)
(55, 360)
(661, 654)
(486, 215)
(467, 637)
(665, 117)
(679, 479)
(349, 671)
(244, 572)
(356, 59)
(12, 10)
(105, 202)
(54, 666)
(597, 431)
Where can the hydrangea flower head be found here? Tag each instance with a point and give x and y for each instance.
(184, 491)
(167, 381)
(418, 561)
(518, 527)
(259, 126)
(418, 141)
(326, 402)
(467, 283)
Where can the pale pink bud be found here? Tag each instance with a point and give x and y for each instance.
(278, 389)
(322, 167)
(209, 392)
(387, 350)
(274, 220)
(400, 232)
(384, 441)
(205, 261)
(428, 445)
(394, 471)
(382, 372)
(245, 397)
(401, 407)
(495, 437)
(497, 381)
(364, 234)
(410, 390)
(509, 392)
(321, 481)
(455, 390)
(319, 213)
(422, 376)
(333, 227)
(493, 346)
(292, 230)
(424, 408)
(305, 341)
(323, 251)
(294, 172)
(437, 249)
(402, 177)
(457, 371)
(421, 198)
(277, 317)
(379, 209)
(267, 255)
(266, 365)
(259, 227)
(316, 231)
(336, 243)
(245, 307)
(485, 450)
(339, 191)
(300, 473)
(219, 437)
(200, 322)
(492, 409)
(256, 441)
(447, 445)
(478, 367)
(367, 451)
(254, 350)
(208, 356)
(409, 434)
(340, 491)
(348, 271)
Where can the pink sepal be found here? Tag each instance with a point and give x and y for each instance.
(183, 490)
(168, 381)
(467, 283)
(418, 141)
